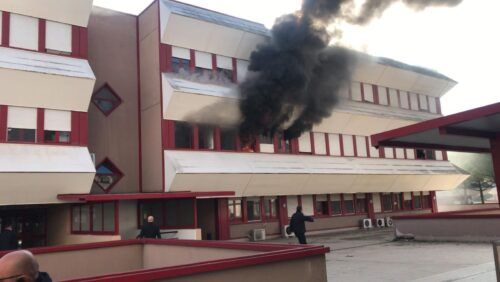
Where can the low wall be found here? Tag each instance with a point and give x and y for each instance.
(477, 225)
(238, 231)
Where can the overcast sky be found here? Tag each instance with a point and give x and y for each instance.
(459, 42)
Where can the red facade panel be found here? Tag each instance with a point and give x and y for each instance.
(5, 28)
(75, 41)
(75, 128)
(3, 123)
(84, 131)
(222, 219)
(40, 125)
(41, 35)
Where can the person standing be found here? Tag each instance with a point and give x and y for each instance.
(298, 226)
(150, 229)
(8, 238)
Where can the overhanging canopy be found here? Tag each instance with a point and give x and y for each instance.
(469, 131)
(140, 196)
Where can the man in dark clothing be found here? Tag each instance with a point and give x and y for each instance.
(21, 266)
(8, 238)
(298, 226)
(150, 230)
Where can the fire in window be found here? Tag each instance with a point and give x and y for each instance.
(106, 100)
(107, 175)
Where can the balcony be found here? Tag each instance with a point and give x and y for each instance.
(249, 174)
(32, 79)
(36, 174)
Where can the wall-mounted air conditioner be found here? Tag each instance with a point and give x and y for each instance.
(286, 235)
(258, 235)
(380, 222)
(388, 222)
(366, 223)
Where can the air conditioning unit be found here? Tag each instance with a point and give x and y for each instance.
(380, 222)
(284, 234)
(388, 222)
(258, 235)
(366, 223)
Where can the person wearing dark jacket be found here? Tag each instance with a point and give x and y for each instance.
(150, 230)
(8, 238)
(298, 226)
(21, 266)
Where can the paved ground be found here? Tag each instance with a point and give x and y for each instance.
(374, 256)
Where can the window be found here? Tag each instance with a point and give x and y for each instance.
(228, 138)
(321, 205)
(21, 124)
(271, 207)
(58, 38)
(21, 135)
(96, 218)
(106, 100)
(425, 154)
(23, 32)
(336, 204)
(349, 203)
(183, 135)
(203, 63)
(224, 68)
(169, 214)
(417, 200)
(234, 206)
(107, 175)
(56, 136)
(407, 204)
(305, 143)
(241, 69)
(253, 209)
(266, 143)
(206, 137)
(319, 143)
(387, 202)
(284, 145)
(180, 65)
(426, 200)
(361, 203)
(398, 201)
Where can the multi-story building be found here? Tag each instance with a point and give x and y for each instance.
(163, 129)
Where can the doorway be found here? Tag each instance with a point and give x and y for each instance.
(206, 217)
(30, 224)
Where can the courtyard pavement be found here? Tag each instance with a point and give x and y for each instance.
(372, 255)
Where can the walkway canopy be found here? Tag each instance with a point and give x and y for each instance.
(476, 130)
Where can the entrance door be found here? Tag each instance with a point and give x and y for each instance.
(206, 217)
(29, 224)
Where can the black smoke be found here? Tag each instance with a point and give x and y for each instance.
(295, 77)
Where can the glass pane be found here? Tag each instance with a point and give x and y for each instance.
(49, 136)
(349, 206)
(179, 213)
(29, 135)
(361, 205)
(253, 209)
(85, 217)
(228, 139)
(75, 221)
(416, 201)
(109, 217)
(387, 202)
(13, 134)
(183, 135)
(206, 137)
(154, 208)
(97, 217)
(21, 134)
(64, 136)
(336, 208)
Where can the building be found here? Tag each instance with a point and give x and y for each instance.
(162, 128)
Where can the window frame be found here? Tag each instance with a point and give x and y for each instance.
(316, 204)
(91, 216)
(113, 92)
(113, 167)
(163, 224)
(239, 219)
(57, 137)
(22, 133)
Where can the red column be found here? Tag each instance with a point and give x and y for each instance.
(75, 128)
(434, 207)
(222, 219)
(40, 125)
(5, 28)
(3, 123)
(495, 156)
(41, 35)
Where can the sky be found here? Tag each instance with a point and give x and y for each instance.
(459, 42)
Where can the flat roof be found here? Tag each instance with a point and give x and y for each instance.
(141, 196)
(468, 131)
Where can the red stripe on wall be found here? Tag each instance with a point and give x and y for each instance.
(192, 60)
(75, 41)
(217, 145)
(83, 43)
(214, 63)
(367, 142)
(75, 128)
(362, 91)
(84, 128)
(41, 35)
(438, 106)
(5, 28)
(40, 125)
(354, 145)
(164, 57)
(311, 137)
(222, 219)
(341, 145)
(327, 144)
(3, 123)
(375, 94)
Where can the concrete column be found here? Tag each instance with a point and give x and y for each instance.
(495, 156)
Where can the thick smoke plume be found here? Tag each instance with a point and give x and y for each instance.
(294, 78)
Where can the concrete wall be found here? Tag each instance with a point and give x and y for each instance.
(149, 44)
(59, 229)
(113, 57)
(309, 269)
(128, 219)
(243, 230)
(335, 222)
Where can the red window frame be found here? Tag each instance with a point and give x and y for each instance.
(22, 133)
(163, 223)
(57, 137)
(382, 198)
(358, 206)
(272, 216)
(91, 216)
(232, 205)
(113, 92)
(316, 204)
(117, 172)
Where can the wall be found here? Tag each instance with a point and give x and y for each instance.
(335, 222)
(309, 269)
(113, 57)
(243, 230)
(150, 92)
(59, 228)
(128, 219)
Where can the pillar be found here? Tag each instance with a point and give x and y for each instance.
(495, 156)
(434, 208)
